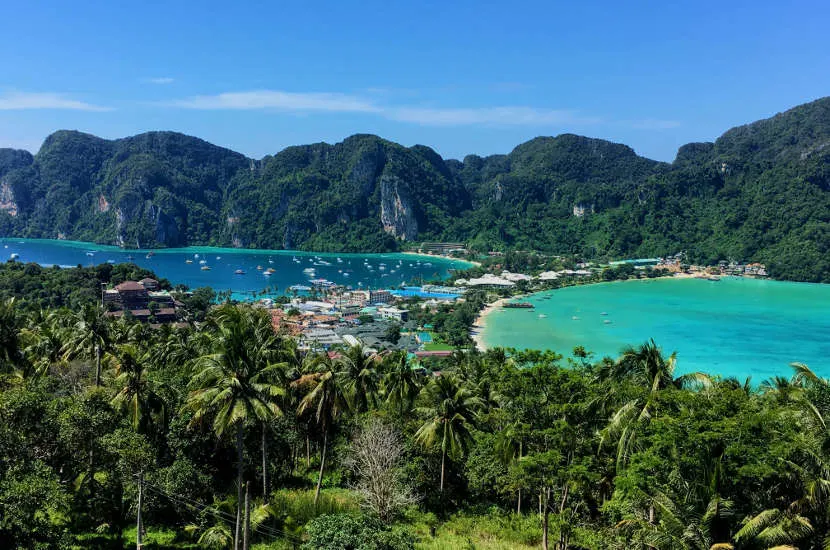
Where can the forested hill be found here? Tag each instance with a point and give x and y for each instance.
(760, 192)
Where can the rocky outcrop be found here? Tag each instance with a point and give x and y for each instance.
(7, 202)
(396, 209)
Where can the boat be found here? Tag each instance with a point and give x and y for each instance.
(195, 255)
(574, 318)
(188, 261)
(300, 288)
(90, 253)
(150, 255)
(259, 268)
(713, 278)
(270, 270)
(202, 262)
(14, 256)
(270, 261)
(267, 273)
(309, 270)
(218, 257)
(239, 272)
(130, 258)
(604, 313)
(542, 316)
(606, 321)
(518, 305)
(205, 268)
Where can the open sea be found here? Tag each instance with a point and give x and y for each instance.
(733, 327)
(360, 271)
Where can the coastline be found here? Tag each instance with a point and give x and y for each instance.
(422, 255)
(476, 332)
(88, 245)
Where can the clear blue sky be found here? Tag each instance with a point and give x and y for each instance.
(460, 76)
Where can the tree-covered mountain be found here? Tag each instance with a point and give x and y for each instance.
(760, 192)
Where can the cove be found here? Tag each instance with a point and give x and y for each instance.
(290, 267)
(732, 327)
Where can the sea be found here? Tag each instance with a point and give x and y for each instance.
(732, 327)
(290, 268)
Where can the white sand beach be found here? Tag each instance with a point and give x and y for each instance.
(481, 323)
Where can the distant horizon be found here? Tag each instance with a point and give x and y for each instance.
(444, 156)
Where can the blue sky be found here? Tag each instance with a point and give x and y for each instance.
(460, 76)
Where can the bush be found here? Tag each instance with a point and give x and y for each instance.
(347, 532)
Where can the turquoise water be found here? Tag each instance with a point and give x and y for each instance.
(355, 270)
(733, 327)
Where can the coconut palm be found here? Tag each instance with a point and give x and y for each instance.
(401, 383)
(234, 383)
(89, 336)
(650, 373)
(452, 410)
(324, 400)
(11, 349)
(135, 392)
(359, 378)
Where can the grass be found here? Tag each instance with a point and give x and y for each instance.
(436, 346)
(494, 531)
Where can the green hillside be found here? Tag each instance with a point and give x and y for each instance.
(760, 192)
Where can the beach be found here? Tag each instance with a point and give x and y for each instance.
(481, 322)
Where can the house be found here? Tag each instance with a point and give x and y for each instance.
(380, 297)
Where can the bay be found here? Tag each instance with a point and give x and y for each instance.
(360, 271)
(733, 327)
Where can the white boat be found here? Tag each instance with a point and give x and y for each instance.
(574, 318)
(218, 257)
(14, 256)
(542, 316)
(202, 262)
(309, 270)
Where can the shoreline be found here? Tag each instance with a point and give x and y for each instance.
(480, 324)
(441, 256)
(88, 245)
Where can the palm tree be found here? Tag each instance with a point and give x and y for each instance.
(359, 378)
(401, 383)
(509, 449)
(650, 372)
(135, 392)
(234, 383)
(11, 353)
(453, 410)
(325, 400)
(89, 336)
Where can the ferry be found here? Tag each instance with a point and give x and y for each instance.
(239, 272)
(518, 305)
(322, 283)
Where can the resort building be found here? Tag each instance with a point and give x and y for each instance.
(394, 313)
(134, 299)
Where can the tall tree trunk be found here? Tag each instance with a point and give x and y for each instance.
(519, 503)
(97, 365)
(543, 502)
(236, 539)
(307, 451)
(443, 459)
(322, 466)
(139, 525)
(264, 465)
(563, 545)
(246, 537)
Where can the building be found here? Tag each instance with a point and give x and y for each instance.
(149, 284)
(380, 297)
(132, 298)
(401, 315)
